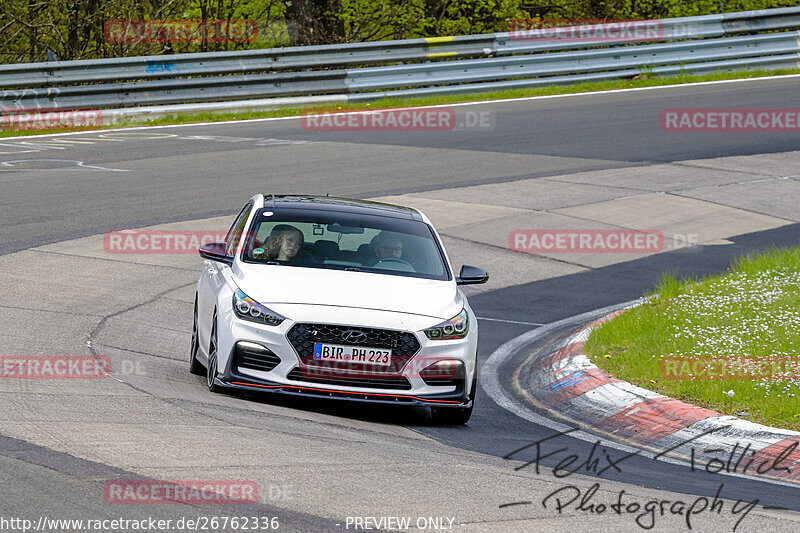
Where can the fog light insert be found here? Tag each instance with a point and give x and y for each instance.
(446, 372)
(254, 357)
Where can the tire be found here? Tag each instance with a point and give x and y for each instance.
(456, 416)
(211, 366)
(195, 367)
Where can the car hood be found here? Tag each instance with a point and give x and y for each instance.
(279, 284)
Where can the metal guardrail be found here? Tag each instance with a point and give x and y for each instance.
(506, 61)
(762, 63)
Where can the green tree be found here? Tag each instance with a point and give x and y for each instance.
(462, 17)
(365, 20)
(31, 30)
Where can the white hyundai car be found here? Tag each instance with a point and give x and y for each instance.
(337, 299)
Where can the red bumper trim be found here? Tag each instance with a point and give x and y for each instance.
(342, 392)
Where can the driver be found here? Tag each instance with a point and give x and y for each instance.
(387, 246)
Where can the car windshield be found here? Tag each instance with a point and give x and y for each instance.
(344, 241)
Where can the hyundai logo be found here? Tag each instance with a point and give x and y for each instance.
(354, 336)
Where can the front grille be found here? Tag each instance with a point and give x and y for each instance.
(254, 358)
(331, 378)
(402, 343)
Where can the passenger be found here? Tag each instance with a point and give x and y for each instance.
(284, 243)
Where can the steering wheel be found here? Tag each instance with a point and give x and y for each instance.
(394, 260)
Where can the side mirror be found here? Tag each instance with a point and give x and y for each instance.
(216, 252)
(471, 275)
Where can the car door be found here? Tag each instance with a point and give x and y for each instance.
(213, 278)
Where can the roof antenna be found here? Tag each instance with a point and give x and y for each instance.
(272, 200)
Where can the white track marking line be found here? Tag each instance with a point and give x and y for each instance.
(509, 321)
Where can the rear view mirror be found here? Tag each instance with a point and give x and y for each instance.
(347, 230)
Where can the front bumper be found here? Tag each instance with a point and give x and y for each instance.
(288, 370)
(237, 381)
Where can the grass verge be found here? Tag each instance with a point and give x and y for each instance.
(644, 80)
(725, 331)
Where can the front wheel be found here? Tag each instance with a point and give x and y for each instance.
(456, 416)
(211, 364)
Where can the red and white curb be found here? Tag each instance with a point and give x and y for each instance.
(563, 381)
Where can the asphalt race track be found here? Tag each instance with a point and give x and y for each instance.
(594, 161)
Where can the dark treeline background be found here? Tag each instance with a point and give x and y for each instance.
(35, 30)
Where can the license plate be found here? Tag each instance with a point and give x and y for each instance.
(353, 354)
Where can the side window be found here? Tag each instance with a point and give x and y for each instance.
(235, 233)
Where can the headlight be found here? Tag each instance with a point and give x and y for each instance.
(455, 328)
(248, 309)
